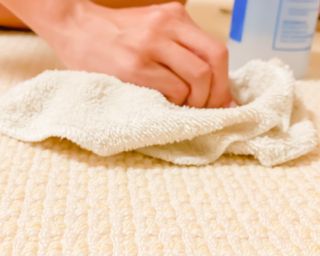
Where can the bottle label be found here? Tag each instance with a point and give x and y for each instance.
(295, 26)
(238, 19)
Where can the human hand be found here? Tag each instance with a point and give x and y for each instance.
(158, 46)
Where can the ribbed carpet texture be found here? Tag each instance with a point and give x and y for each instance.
(58, 199)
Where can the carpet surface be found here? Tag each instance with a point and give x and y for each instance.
(58, 199)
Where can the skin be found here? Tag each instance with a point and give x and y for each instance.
(8, 19)
(156, 46)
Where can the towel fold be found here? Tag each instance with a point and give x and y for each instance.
(106, 116)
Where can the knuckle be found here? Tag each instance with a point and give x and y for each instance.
(134, 65)
(157, 17)
(142, 43)
(147, 37)
(203, 73)
(180, 92)
(222, 52)
(175, 10)
(177, 7)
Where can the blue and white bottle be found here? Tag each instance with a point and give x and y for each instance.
(266, 29)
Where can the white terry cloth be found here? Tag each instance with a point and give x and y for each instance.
(106, 116)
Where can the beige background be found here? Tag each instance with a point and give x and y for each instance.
(208, 14)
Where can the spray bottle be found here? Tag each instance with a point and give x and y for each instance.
(265, 29)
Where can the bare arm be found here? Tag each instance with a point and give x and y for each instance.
(8, 19)
(36, 14)
(156, 46)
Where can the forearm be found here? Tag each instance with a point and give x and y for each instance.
(9, 18)
(38, 14)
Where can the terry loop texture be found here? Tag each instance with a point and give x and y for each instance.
(57, 199)
(107, 116)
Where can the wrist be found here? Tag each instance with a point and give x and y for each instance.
(74, 28)
(70, 23)
(57, 17)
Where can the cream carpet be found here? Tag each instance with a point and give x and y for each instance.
(57, 199)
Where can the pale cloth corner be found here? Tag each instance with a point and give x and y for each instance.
(106, 116)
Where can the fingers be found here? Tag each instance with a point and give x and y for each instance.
(157, 77)
(189, 67)
(220, 91)
(213, 53)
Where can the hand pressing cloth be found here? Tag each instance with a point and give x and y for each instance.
(106, 116)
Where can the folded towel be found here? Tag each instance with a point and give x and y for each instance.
(106, 116)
